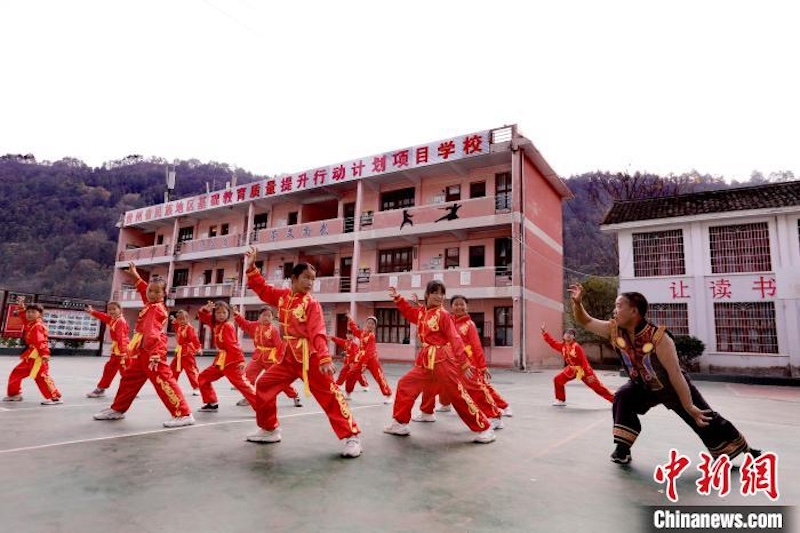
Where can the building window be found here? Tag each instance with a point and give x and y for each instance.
(480, 325)
(180, 278)
(477, 256)
(207, 277)
(397, 199)
(394, 260)
(212, 231)
(658, 253)
(477, 189)
(674, 316)
(502, 190)
(252, 315)
(292, 219)
(159, 239)
(260, 221)
(224, 229)
(392, 327)
(740, 248)
(220, 275)
(503, 326)
(452, 257)
(452, 193)
(186, 234)
(746, 327)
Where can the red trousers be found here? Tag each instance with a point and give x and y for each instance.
(348, 369)
(591, 380)
(188, 365)
(478, 390)
(165, 384)
(445, 377)
(324, 390)
(256, 366)
(115, 363)
(375, 368)
(235, 374)
(43, 380)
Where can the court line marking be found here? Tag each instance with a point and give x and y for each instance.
(162, 430)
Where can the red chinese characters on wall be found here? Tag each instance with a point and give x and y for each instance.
(679, 289)
(720, 288)
(765, 286)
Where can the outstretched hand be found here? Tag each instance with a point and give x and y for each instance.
(393, 292)
(576, 292)
(250, 257)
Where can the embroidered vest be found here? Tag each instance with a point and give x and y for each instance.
(638, 354)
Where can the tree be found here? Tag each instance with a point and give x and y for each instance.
(599, 296)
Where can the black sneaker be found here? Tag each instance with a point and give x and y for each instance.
(209, 408)
(621, 454)
(754, 452)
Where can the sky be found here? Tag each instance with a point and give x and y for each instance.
(281, 87)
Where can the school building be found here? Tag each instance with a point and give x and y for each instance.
(481, 212)
(723, 266)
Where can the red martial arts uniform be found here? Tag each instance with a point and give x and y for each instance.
(184, 360)
(150, 340)
(34, 360)
(268, 347)
(229, 361)
(367, 358)
(577, 367)
(119, 360)
(348, 365)
(306, 348)
(480, 389)
(438, 366)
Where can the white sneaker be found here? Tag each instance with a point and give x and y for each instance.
(179, 421)
(109, 414)
(496, 423)
(298, 402)
(96, 393)
(262, 435)
(352, 446)
(195, 392)
(243, 403)
(424, 417)
(53, 401)
(444, 409)
(387, 400)
(365, 389)
(507, 412)
(13, 398)
(559, 403)
(396, 428)
(485, 437)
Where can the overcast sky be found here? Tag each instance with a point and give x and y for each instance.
(276, 87)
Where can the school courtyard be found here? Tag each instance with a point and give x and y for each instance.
(548, 471)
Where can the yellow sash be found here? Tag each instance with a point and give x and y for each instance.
(114, 348)
(221, 359)
(302, 344)
(270, 353)
(135, 341)
(37, 363)
(431, 355)
(178, 351)
(578, 371)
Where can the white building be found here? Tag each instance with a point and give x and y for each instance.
(723, 266)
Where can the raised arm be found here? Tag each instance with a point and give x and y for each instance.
(409, 311)
(598, 327)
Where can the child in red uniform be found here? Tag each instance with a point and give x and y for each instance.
(118, 330)
(148, 350)
(439, 365)
(577, 367)
(229, 361)
(35, 359)
(351, 351)
(486, 397)
(305, 356)
(268, 347)
(367, 358)
(187, 346)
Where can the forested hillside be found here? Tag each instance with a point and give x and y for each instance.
(58, 220)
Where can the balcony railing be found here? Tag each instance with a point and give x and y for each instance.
(145, 252)
(214, 290)
(453, 279)
(406, 219)
(308, 230)
(232, 240)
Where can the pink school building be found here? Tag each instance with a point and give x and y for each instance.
(481, 212)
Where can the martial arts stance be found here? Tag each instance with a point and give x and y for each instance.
(187, 346)
(118, 331)
(367, 358)
(656, 378)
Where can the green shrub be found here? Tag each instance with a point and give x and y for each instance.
(689, 348)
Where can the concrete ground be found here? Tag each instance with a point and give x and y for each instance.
(549, 470)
